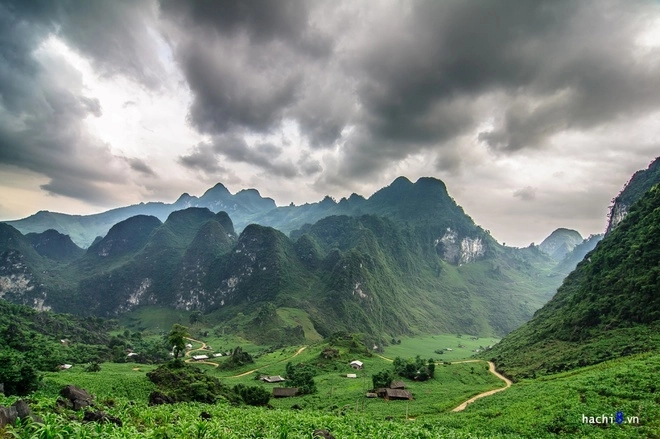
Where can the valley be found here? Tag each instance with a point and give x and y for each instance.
(455, 334)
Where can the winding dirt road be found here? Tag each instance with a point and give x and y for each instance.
(190, 360)
(254, 370)
(491, 369)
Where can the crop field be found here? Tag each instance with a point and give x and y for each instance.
(546, 407)
(425, 346)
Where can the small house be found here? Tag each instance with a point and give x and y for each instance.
(284, 392)
(372, 395)
(132, 354)
(66, 366)
(448, 349)
(200, 357)
(397, 385)
(397, 394)
(356, 364)
(217, 355)
(272, 379)
(188, 346)
(351, 375)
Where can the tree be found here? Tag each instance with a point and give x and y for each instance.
(19, 377)
(177, 339)
(302, 377)
(195, 317)
(382, 379)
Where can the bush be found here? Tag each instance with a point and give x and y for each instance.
(252, 395)
(302, 377)
(19, 377)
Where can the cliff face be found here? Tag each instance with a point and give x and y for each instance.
(638, 185)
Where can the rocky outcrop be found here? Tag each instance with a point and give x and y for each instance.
(18, 410)
(459, 251)
(75, 398)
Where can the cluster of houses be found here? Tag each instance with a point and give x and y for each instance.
(396, 390)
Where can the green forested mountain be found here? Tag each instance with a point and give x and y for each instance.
(415, 263)
(608, 307)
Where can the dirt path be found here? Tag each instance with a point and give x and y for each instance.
(204, 345)
(491, 369)
(253, 370)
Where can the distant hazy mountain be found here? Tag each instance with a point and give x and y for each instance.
(408, 259)
(560, 243)
(402, 200)
(638, 184)
(570, 261)
(84, 229)
(608, 307)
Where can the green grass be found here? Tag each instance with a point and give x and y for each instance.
(125, 380)
(295, 317)
(547, 407)
(154, 318)
(425, 346)
(554, 405)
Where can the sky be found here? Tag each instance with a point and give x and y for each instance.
(534, 113)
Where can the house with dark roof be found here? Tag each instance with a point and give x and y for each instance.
(397, 394)
(284, 392)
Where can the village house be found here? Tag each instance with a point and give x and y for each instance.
(397, 394)
(200, 357)
(272, 379)
(356, 364)
(351, 375)
(284, 392)
(397, 385)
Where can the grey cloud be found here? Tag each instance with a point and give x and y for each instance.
(253, 65)
(140, 166)
(236, 88)
(263, 20)
(205, 156)
(43, 104)
(526, 194)
(308, 166)
(114, 35)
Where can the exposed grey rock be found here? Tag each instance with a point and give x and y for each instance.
(76, 398)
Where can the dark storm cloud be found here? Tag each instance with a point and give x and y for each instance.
(113, 34)
(263, 20)
(251, 65)
(415, 78)
(243, 89)
(43, 101)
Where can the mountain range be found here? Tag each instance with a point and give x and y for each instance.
(408, 259)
